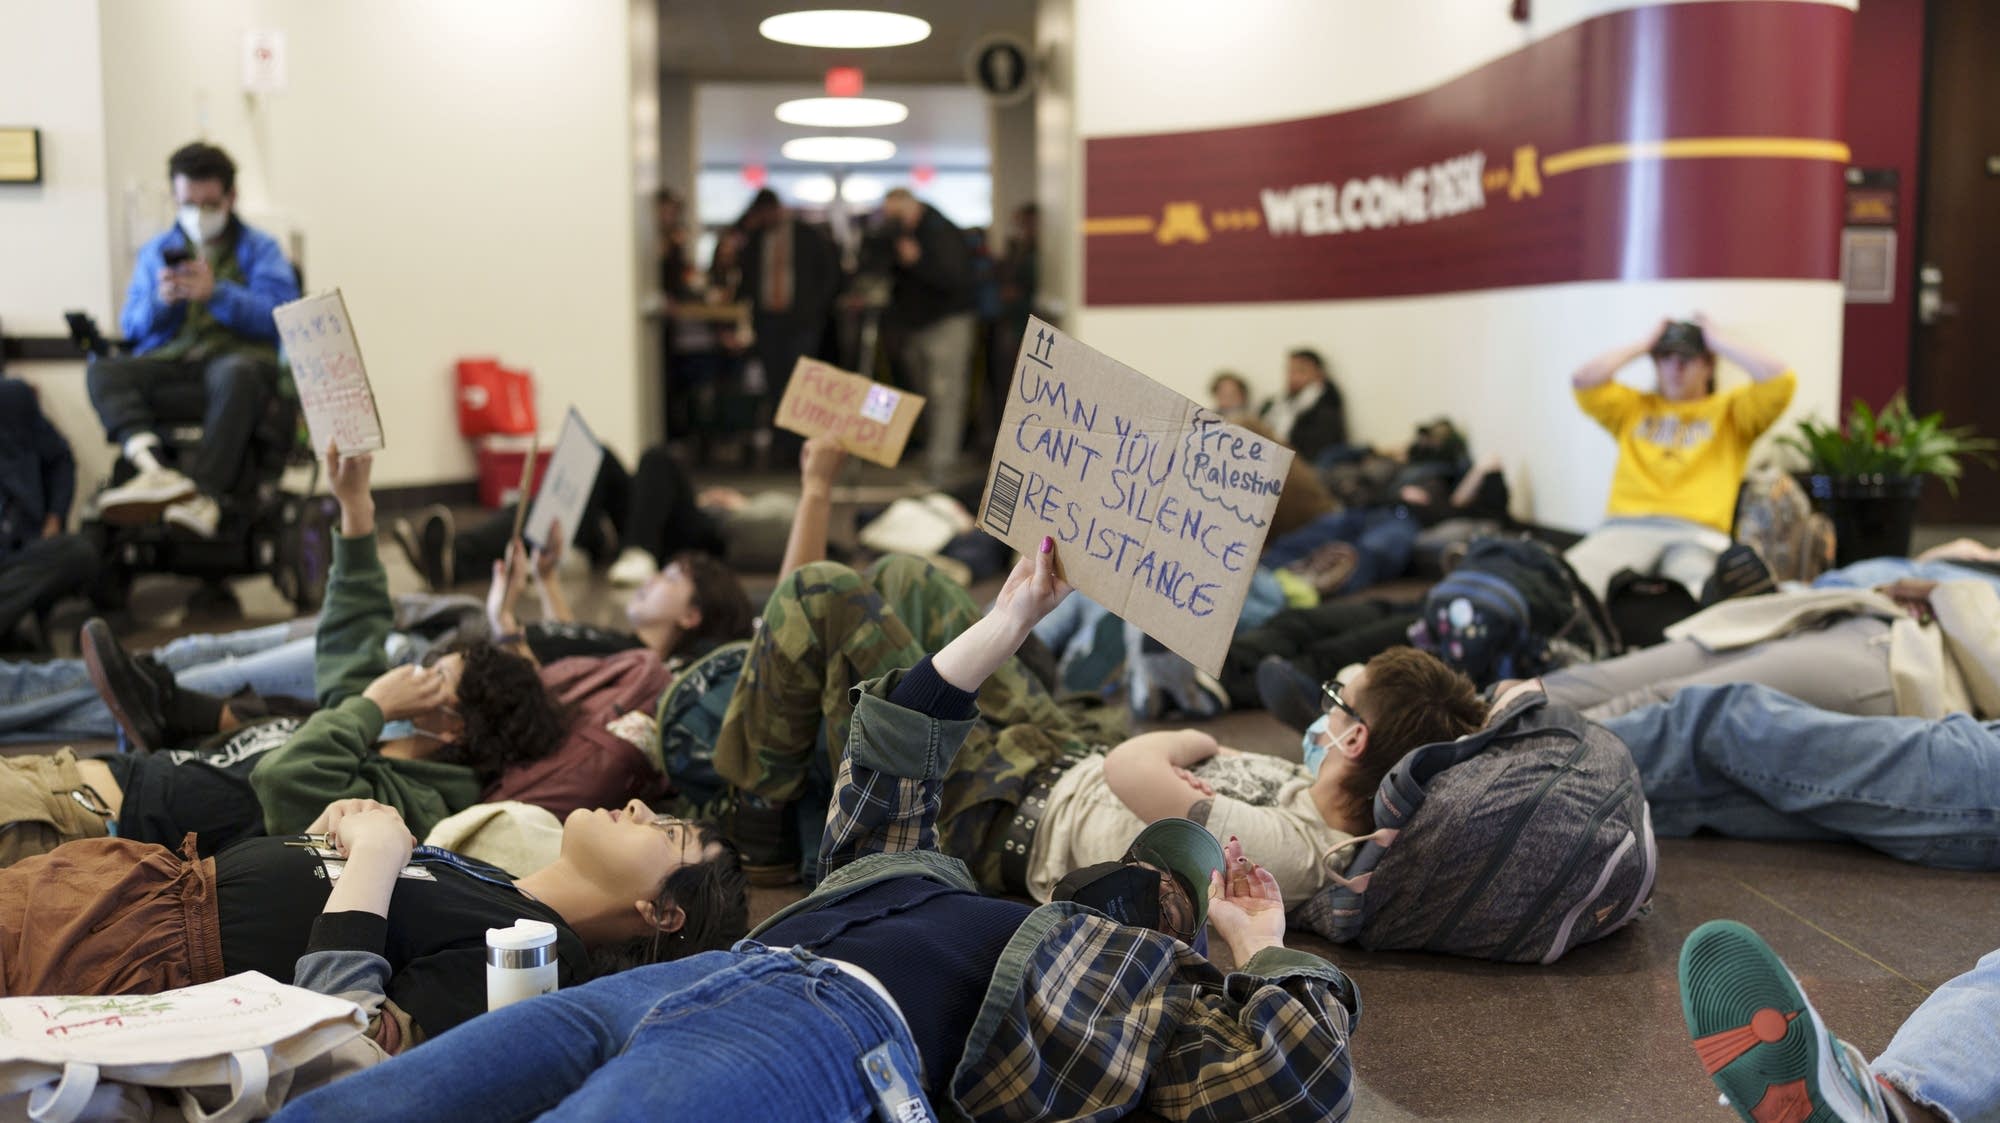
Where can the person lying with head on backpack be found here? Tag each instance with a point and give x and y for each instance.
(425, 740)
(897, 990)
(1682, 449)
(1297, 816)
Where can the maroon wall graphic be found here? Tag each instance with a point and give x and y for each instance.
(1684, 140)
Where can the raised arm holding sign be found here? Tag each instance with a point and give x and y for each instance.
(1158, 507)
(332, 381)
(870, 420)
(565, 492)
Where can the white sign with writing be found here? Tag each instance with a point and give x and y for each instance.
(332, 381)
(566, 487)
(1158, 507)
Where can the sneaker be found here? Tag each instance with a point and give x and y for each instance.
(135, 689)
(428, 545)
(197, 515)
(1761, 1041)
(1289, 694)
(1097, 668)
(140, 500)
(1162, 686)
(1329, 567)
(635, 566)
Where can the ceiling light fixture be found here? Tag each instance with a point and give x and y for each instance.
(843, 112)
(838, 149)
(845, 28)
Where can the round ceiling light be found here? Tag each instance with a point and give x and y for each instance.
(845, 28)
(843, 112)
(838, 149)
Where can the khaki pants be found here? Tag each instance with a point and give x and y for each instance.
(38, 811)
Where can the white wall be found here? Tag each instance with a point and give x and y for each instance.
(1498, 360)
(461, 169)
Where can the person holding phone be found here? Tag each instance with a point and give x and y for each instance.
(204, 349)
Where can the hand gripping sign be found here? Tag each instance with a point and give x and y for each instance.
(1158, 507)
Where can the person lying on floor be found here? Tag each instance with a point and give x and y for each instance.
(897, 986)
(1299, 817)
(425, 740)
(1912, 647)
(1746, 761)
(350, 909)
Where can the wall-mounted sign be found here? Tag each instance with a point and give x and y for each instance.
(1871, 196)
(20, 155)
(1661, 141)
(1003, 67)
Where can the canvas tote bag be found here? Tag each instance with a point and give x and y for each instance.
(219, 1052)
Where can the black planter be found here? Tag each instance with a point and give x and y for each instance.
(1873, 516)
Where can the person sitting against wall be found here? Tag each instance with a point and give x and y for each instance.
(425, 740)
(1309, 417)
(204, 349)
(39, 563)
(897, 989)
(1682, 448)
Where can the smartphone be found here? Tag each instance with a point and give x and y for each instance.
(177, 255)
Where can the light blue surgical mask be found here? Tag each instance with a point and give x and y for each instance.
(1315, 745)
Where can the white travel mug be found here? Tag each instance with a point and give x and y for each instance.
(520, 962)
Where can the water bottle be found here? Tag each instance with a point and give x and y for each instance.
(520, 962)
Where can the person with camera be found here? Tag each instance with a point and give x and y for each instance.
(204, 349)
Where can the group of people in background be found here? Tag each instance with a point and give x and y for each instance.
(914, 301)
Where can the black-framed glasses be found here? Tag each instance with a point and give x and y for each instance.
(1330, 700)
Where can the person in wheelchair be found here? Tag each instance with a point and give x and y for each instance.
(204, 349)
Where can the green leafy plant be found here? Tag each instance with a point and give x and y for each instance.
(1894, 442)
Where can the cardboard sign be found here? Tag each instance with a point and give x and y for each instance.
(870, 420)
(332, 381)
(1158, 507)
(566, 488)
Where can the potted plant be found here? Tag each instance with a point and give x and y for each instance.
(1866, 475)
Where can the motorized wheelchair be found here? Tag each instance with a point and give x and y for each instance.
(264, 528)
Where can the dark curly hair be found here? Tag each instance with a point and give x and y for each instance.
(509, 716)
(200, 161)
(726, 611)
(714, 897)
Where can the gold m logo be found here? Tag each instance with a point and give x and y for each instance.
(1181, 222)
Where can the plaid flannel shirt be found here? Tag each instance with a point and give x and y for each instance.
(1084, 1018)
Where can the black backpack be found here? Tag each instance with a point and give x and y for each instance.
(1513, 608)
(1515, 843)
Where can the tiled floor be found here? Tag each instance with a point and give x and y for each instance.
(1597, 1036)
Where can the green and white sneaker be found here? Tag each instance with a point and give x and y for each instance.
(1762, 1042)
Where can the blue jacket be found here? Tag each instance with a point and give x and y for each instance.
(242, 308)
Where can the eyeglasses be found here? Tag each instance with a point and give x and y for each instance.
(1331, 700)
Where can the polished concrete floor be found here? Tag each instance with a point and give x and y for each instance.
(1597, 1036)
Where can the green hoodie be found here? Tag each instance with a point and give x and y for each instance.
(333, 755)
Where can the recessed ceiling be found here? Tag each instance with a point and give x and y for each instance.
(718, 39)
(735, 124)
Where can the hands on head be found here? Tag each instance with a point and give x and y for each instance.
(406, 692)
(1245, 904)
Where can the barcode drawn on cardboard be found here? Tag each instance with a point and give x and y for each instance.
(1006, 496)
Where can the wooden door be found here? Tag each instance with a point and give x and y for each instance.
(1957, 341)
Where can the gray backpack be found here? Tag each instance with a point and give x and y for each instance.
(1515, 843)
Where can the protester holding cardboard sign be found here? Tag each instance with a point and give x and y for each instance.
(1158, 507)
(870, 420)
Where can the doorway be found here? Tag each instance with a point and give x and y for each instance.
(1956, 361)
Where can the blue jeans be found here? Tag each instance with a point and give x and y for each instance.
(54, 701)
(751, 1033)
(1382, 536)
(1947, 1055)
(1749, 762)
(1881, 571)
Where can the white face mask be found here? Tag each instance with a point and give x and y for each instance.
(202, 224)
